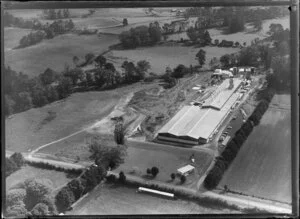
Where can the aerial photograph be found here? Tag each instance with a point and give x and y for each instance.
(141, 111)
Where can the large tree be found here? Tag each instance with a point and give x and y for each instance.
(201, 57)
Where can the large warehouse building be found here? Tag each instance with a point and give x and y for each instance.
(194, 125)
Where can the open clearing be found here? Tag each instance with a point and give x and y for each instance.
(263, 165)
(27, 172)
(111, 199)
(55, 53)
(160, 57)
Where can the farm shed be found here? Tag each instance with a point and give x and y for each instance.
(226, 140)
(186, 170)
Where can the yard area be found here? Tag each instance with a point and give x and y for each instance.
(143, 155)
(161, 57)
(112, 199)
(56, 53)
(263, 165)
(58, 179)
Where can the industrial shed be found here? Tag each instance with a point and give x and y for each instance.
(194, 125)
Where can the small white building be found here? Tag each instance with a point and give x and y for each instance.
(186, 170)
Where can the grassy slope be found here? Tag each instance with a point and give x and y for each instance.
(57, 178)
(263, 165)
(12, 36)
(56, 52)
(110, 199)
(31, 129)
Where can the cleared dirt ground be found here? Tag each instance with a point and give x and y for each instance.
(111, 199)
(263, 165)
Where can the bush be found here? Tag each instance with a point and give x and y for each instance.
(40, 209)
(173, 176)
(10, 166)
(111, 178)
(148, 171)
(182, 179)
(64, 199)
(122, 177)
(154, 171)
(76, 187)
(15, 197)
(18, 159)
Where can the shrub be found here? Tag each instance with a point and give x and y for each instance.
(148, 171)
(64, 199)
(40, 209)
(154, 171)
(122, 177)
(76, 187)
(18, 159)
(16, 211)
(111, 178)
(182, 179)
(15, 197)
(173, 176)
(10, 166)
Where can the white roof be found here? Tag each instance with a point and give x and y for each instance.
(185, 169)
(196, 122)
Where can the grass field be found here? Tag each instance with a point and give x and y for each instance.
(56, 52)
(160, 57)
(26, 172)
(38, 126)
(12, 37)
(263, 164)
(110, 199)
(168, 159)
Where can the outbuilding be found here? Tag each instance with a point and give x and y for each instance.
(186, 170)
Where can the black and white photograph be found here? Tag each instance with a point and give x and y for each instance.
(122, 109)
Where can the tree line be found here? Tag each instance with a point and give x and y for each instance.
(13, 163)
(141, 36)
(225, 159)
(47, 31)
(52, 14)
(106, 158)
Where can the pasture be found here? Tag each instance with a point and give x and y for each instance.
(12, 36)
(56, 53)
(38, 126)
(110, 199)
(263, 165)
(161, 57)
(246, 36)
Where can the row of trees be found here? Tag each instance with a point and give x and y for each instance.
(106, 158)
(200, 36)
(47, 31)
(52, 14)
(13, 163)
(23, 93)
(224, 160)
(31, 198)
(11, 21)
(141, 36)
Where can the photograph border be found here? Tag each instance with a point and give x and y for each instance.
(293, 6)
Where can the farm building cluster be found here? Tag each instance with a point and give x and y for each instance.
(194, 125)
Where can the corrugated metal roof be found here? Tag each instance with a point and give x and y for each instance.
(195, 122)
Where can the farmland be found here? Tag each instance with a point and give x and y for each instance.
(160, 57)
(262, 166)
(12, 36)
(37, 126)
(110, 199)
(55, 53)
